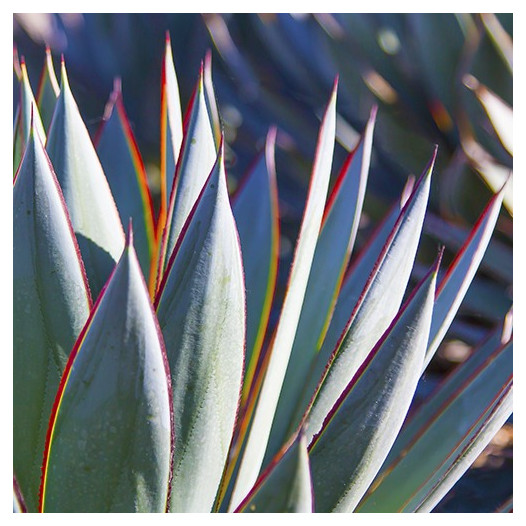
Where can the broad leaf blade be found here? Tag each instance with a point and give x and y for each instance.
(93, 213)
(200, 306)
(110, 436)
(461, 272)
(255, 208)
(282, 343)
(448, 427)
(51, 303)
(286, 485)
(124, 169)
(360, 429)
(333, 251)
(48, 90)
(376, 307)
(197, 157)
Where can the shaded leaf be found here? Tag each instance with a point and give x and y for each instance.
(200, 307)
(291, 310)
(51, 303)
(124, 169)
(110, 436)
(360, 429)
(48, 90)
(285, 486)
(93, 213)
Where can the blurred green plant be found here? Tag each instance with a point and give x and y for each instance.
(175, 391)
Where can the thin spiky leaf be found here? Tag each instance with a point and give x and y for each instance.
(200, 307)
(282, 343)
(361, 427)
(109, 440)
(93, 213)
(51, 303)
(48, 90)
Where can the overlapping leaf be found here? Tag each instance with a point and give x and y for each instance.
(110, 437)
(200, 306)
(51, 303)
(285, 486)
(291, 310)
(333, 250)
(363, 424)
(48, 90)
(124, 169)
(93, 213)
(376, 306)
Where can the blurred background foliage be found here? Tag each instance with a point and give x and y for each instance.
(438, 79)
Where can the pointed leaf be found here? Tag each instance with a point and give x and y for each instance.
(255, 208)
(360, 429)
(48, 90)
(197, 157)
(93, 213)
(27, 111)
(110, 436)
(286, 485)
(200, 306)
(461, 272)
(124, 169)
(171, 128)
(333, 251)
(210, 97)
(449, 427)
(291, 310)
(376, 307)
(51, 303)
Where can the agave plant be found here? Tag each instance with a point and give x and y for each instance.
(147, 376)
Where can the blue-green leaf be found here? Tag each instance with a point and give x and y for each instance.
(284, 338)
(48, 90)
(110, 436)
(93, 213)
(285, 486)
(51, 303)
(360, 429)
(200, 307)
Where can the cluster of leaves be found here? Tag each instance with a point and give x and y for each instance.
(170, 391)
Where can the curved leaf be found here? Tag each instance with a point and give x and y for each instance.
(109, 440)
(200, 307)
(51, 303)
(291, 310)
(93, 213)
(124, 169)
(333, 251)
(255, 208)
(286, 485)
(210, 97)
(376, 307)
(360, 429)
(197, 157)
(48, 90)
(452, 424)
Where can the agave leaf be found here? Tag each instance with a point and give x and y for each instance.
(284, 338)
(51, 303)
(200, 306)
(27, 112)
(333, 251)
(93, 213)
(255, 208)
(197, 157)
(110, 435)
(362, 426)
(48, 90)
(506, 507)
(210, 97)
(285, 486)
(171, 128)
(375, 309)
(124, 169)
(19, 505)
(499, 112)
(461, 272)
(451, 432)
